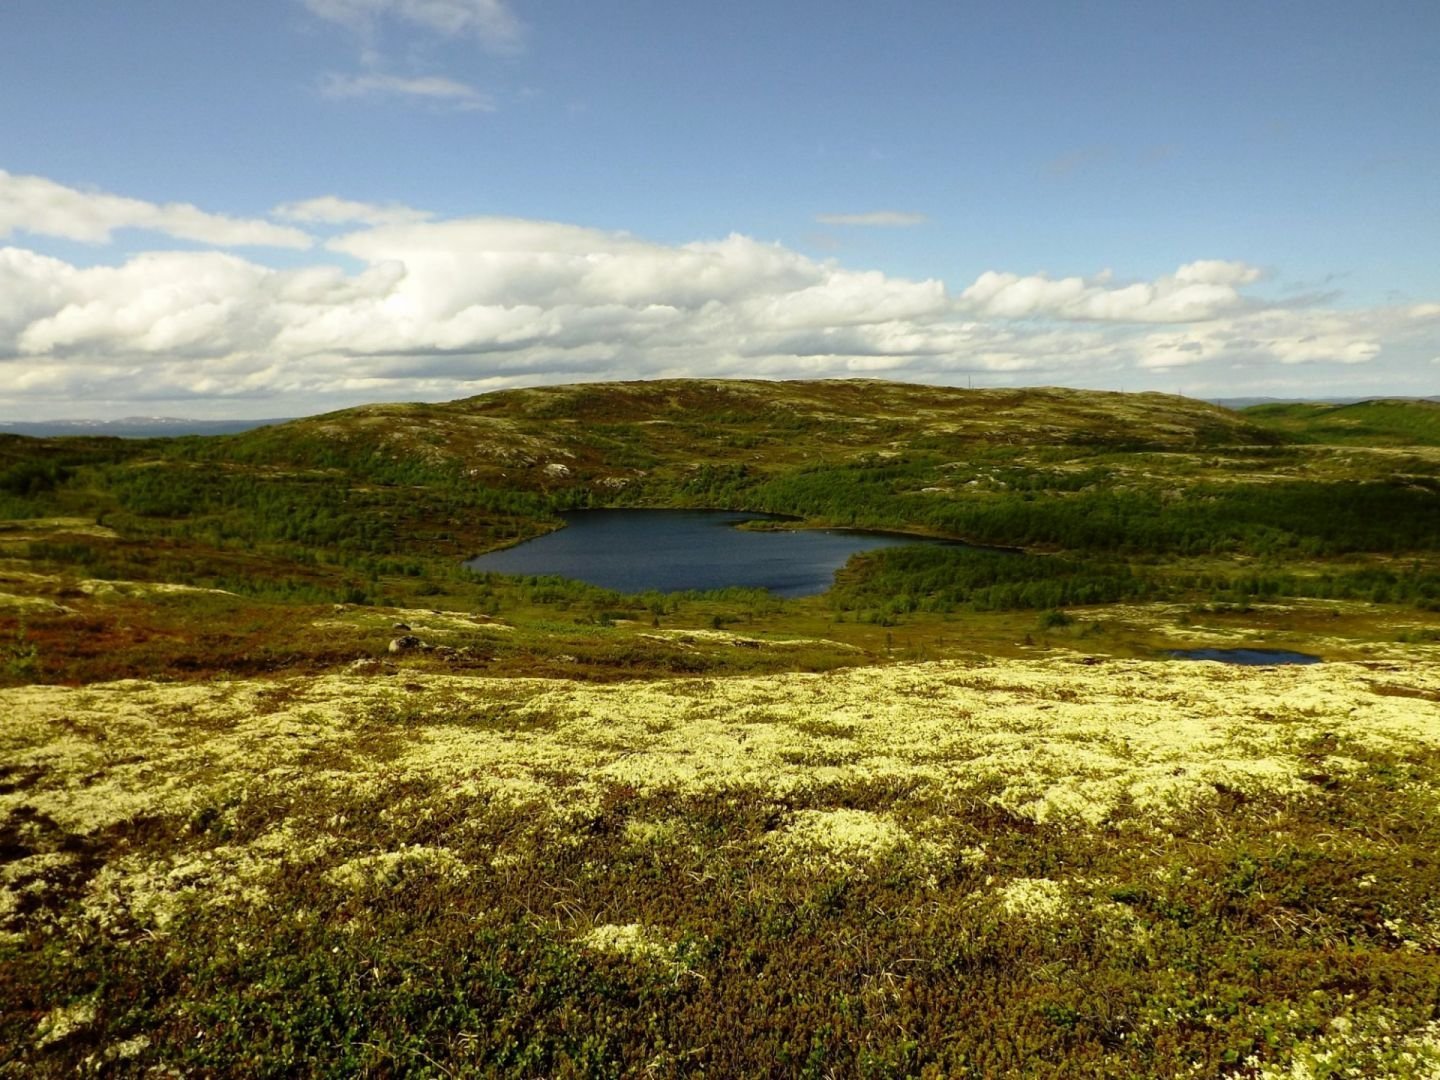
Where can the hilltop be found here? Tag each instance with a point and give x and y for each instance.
(618, 430)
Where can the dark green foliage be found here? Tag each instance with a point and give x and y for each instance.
(928, 578)
(1414, 585)
(36, 473)
(1305, 517)
(314, 510)
(32, 477)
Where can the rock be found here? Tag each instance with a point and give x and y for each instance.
(557, 470)
(366, 665)
(405, 643)
(401, 626)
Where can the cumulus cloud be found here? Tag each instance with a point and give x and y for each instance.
(491, 22)
(875, 218)
(42, 207)
(1196, 291)
(1217, 272)
(441, 308)
(432, 88)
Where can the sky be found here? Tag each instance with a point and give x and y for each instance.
(281, 207)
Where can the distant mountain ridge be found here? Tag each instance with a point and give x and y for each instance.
(145, 427)
(1358, 399)
(133, 427)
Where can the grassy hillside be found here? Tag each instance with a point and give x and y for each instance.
(1368, 423)
(617, 431)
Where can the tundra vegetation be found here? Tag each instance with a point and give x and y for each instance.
(285, 790)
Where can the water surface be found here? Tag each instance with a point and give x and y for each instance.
(634, 551)
(1250, 657)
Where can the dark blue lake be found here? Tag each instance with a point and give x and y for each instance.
(1250, 657)
(673, 550)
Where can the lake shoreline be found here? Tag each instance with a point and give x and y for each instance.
(641, 549)
(782, 523)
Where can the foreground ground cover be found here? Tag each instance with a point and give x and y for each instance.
(991, 868)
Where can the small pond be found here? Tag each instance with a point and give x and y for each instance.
(634, 551)
(1251, 657)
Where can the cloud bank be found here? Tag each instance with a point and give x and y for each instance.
(1197, 291)
(398, 305)
(41, 207)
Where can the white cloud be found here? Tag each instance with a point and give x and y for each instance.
(879, 218)
(442, 308)
(491, 22)
(1217, 272)
(333, 210)
(1196, 291)
(42, 207)
(1272, 337)
(416, 24)
(432, 88)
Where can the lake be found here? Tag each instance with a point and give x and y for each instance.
(1249, 657)
(634, 551)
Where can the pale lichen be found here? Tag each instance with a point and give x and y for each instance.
(1038, 899)
(1372, 1045)
(839, 837)
(632, 940)
(1052, 741)
(64, 1021)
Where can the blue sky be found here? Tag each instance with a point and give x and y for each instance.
(422, 199)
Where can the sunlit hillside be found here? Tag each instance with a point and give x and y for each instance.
(287, 790)
(1367, 423)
